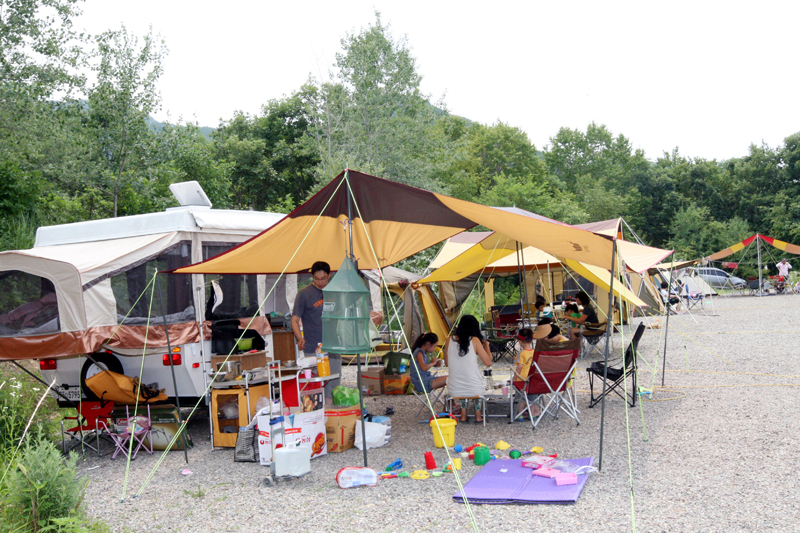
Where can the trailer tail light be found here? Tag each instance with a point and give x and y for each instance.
(195, 365)
(48, 364)
(176, 359)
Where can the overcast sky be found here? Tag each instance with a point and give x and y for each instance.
(709, 78)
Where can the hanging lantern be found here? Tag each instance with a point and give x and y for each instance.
(345, 313)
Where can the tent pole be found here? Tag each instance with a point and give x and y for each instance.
(666, 327)
(550, 282)
(760, 281)
(172, 371)
(525, 288)
(609, 327)
(358, 356)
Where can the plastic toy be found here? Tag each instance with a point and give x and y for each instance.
(566, 478)
(396, 465)
(515, 454)
(502, 445)
(458, 448)
(436, 474)
(420, 474)
(537, 449)
(430, 463)
(403, 474)
(388, 475)
(482, 455)
(456, 463)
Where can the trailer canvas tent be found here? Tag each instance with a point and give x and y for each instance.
(81, 290)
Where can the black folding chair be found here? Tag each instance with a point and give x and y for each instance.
(616, 377)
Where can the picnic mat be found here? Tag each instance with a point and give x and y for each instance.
(519, 485)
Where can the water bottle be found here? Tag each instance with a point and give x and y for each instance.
(323, 363)
(487, 373)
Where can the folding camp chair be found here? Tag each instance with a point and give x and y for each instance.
(435, 396)
(551, 376)
(136, 429)
(693, 300)
(90, 415)
(449, 404)
(616, 377)
(592, 337)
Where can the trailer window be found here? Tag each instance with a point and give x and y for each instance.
(170, 296)
(238, 292)
(28, 305)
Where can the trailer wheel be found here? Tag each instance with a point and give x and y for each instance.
(105, 361)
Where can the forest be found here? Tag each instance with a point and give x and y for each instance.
(77, 142)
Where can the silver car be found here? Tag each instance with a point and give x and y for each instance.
(719, 279)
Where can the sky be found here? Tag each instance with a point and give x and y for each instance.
(708, 78)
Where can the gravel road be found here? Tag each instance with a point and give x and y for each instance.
(716, 450)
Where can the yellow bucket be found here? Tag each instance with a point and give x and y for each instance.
(445, 435)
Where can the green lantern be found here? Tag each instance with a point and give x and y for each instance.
(345, 313)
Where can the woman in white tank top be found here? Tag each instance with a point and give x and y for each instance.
(462, 358)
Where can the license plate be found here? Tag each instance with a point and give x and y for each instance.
(73, 393)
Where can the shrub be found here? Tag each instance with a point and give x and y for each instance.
(18, 398)
(42, 491)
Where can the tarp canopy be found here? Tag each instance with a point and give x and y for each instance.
(394, 220)
(602, 278)
(780, 245)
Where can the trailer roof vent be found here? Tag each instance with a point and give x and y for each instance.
(190, 193)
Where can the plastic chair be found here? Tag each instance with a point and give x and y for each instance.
(615, 377)
(136, 429)
(551, 376)
(90, 415)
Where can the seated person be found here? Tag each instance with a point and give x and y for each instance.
(522, 369)
(421, 376)
(571, 311)
(555, 332)
(463, 353)
(588, 316)
(670, 297)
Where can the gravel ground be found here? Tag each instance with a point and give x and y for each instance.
(716, 451)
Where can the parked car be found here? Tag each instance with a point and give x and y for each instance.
(719, 279)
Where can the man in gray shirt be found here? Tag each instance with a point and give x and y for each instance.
(308, 310)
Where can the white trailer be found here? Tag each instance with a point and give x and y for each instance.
(85, 288)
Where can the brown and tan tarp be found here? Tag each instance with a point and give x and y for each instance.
(391, 221)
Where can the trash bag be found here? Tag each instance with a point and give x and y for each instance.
(344, 396)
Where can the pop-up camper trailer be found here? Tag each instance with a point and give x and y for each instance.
(84, 288)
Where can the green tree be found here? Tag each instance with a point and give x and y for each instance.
(120, 104)
(370, 115)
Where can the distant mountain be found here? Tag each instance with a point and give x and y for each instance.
(158, 126)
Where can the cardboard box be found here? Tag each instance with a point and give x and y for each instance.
(308, 428)
(340, 427)
(372, 379)
(396, 384)
(249, 360)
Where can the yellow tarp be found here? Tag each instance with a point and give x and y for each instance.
(602, 278)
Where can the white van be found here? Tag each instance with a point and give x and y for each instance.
(87, 288)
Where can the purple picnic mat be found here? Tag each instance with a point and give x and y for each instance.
(519, 485)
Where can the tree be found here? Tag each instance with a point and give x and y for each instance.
(371, 115)
(120, 104)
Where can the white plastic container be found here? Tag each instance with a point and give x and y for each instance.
(292, 460)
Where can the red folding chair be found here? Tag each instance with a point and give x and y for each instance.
(552, 378)
(90, 416)
(131, 435)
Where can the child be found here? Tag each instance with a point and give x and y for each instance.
(421, 376)
(523, 367)
(572, 311)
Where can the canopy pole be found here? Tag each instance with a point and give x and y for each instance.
(172, 371)
(609, 327)
(358, 356)
(524, 280)
(550, 282)
(760, 280)
(666, 326)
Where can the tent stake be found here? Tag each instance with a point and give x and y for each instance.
(609, 327)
